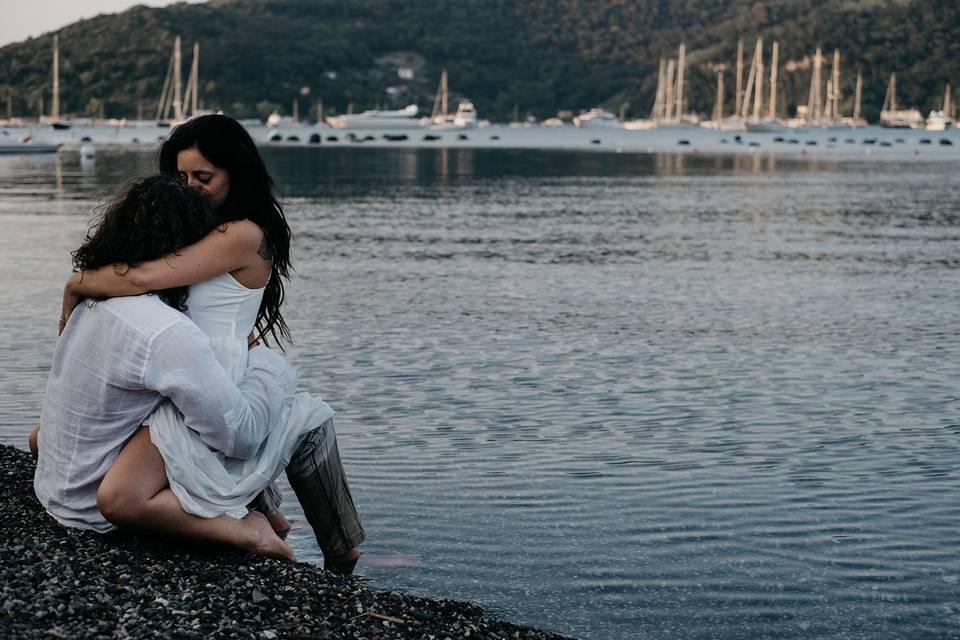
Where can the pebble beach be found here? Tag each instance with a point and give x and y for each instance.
(66, 583)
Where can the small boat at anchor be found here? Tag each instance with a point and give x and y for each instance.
(405, 118)
(9, 145)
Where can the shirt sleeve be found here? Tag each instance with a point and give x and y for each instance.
(229, 417)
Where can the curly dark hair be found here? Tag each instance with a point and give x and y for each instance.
(152, 217)
(226, 144)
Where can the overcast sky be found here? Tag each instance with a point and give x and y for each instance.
(24, 19)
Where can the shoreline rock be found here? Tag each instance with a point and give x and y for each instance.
(66, 583)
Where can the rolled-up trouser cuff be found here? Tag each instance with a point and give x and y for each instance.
(267, 501)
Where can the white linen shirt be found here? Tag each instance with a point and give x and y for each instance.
(113, 365)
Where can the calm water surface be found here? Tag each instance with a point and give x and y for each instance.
(615, 396)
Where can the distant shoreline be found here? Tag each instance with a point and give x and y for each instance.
(66, 583)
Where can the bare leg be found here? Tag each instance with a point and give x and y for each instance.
(268, 503)
(135, 493)
(32, 440)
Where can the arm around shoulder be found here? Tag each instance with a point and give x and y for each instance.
(229, 247)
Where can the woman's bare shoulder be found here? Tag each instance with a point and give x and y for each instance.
(244, 233)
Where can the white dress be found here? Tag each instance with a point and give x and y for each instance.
(207, 482)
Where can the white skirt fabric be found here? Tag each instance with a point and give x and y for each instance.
(207, 482)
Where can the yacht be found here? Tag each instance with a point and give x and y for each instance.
(405, 118)
(938, 121)
(596, 118)
(464, 118)
(941, 119)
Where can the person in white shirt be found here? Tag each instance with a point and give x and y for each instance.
(119, 358)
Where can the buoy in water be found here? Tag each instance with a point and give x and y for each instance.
(88, 152)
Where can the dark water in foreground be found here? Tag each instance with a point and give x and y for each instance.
(615, 396)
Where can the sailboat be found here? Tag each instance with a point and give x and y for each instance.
(894, 118)
(770, 123)
(54, 119)
(669, 103)
(942, 119)
(856, 120)
(172, 107)
(464, 118)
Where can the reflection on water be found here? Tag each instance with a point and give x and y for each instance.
(619, 396)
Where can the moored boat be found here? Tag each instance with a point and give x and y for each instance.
(405, 118)
(893, 118)
(596, 118)
(10, 145)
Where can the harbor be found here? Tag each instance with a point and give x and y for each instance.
(872, 142)
(752, 124)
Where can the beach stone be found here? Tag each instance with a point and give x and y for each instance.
(66, 583)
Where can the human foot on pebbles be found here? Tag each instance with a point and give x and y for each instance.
(64, 583)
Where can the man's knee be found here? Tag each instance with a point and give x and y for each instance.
(118, 504)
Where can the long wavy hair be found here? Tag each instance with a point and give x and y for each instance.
(152, 217)
(226, 144)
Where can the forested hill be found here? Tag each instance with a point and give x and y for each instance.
(508, 56)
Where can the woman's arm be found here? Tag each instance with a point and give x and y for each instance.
(225, 249)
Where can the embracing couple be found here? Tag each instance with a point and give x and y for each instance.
(163, 411)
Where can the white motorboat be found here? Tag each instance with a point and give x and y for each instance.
(942, 119)
(938, 121)
(464, 118)
(765, 125)
(405, 118)
(13, 145)
(597, 118)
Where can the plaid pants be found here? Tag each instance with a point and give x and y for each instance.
(317, 477)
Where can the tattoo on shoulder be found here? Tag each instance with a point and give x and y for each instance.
(264, 250)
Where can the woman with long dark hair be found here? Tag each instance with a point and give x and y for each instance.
(215, 155)
(235, 277)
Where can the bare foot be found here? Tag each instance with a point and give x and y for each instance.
(281, 526)
(264, 541)
(342, 563)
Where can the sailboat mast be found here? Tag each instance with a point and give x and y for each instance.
(758, 90)
(671, 83)
(815, 86)
(748, 91)
(718, 107)
(658, 100)
(856, 97)
(893, 92)
(680, 69)
(443, 93)
(774, 60)
(828, 104)
(55, 106)
(195, 78)
(177, 104)
(738, 99)
(836, 84)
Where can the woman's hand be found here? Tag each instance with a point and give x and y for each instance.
(70, 301)
(252, 340)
